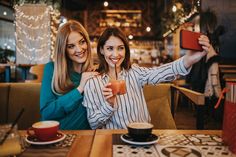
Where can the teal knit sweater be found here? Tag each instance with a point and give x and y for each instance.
(66, 108)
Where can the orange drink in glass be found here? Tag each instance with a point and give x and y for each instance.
(118, 87)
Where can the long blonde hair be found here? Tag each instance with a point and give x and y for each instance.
(63, 65)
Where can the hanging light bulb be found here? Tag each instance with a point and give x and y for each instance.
(174, 8)
(148, 29)
(105, 4)
(130, 37)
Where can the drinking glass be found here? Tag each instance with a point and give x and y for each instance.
(12, 144)
(118, 87)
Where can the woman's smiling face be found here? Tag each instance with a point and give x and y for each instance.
(114, 52)
(77, 48)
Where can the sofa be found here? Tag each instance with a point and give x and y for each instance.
(15, 96)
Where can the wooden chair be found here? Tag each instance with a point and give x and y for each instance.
(195, 97)
(37, 70)
(158, 99)
(161, 101)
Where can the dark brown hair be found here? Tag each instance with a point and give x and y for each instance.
(116, 32)
(208, 21)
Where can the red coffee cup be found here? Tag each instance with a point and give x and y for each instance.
(44, 130)
(118, 87)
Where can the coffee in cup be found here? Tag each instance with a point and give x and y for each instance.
(140, 130)
(118, 87)
(44, 130)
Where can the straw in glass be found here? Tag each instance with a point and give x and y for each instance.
(12, 126)
(116, 72)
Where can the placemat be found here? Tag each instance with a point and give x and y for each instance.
(59, 149)
(121, 149)
(190, 139)
(183, 145)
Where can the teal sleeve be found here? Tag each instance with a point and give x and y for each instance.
(53, 106)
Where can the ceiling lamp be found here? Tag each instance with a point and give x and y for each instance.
(130, 37)
(148, 29)
(105, 4)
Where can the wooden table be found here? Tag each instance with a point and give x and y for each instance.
(98, 143)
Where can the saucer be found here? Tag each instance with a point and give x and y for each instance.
(152, 139)
(33, 140)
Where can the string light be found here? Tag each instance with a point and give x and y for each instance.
(21, 13)
(30, 26)
(182, 21)
(26, 47)
(35, 34)
(33, 26)
(32, 57)
(174, 8)
(198, 3)
(55, 21)
(28, 36)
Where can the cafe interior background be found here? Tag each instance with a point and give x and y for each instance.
(28, 29)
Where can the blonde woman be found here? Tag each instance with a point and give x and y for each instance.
(64, 79)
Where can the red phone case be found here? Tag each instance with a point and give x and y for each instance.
(189, 40)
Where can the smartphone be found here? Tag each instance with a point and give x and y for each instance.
(189, 40)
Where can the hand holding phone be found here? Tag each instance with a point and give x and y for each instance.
(189, 40)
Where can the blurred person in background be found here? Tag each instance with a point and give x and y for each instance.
(205, 75)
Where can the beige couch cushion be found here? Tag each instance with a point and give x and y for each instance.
(160, 113)
(24, 95)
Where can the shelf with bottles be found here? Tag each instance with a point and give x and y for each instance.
(121, 18)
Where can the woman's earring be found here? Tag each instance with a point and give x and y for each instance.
(101, 50)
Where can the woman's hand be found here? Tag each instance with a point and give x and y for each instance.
(93, 68)
(193, 57)
(107, 92)
(84, 78)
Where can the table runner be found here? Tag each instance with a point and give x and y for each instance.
(59, 149)
(197, 145)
